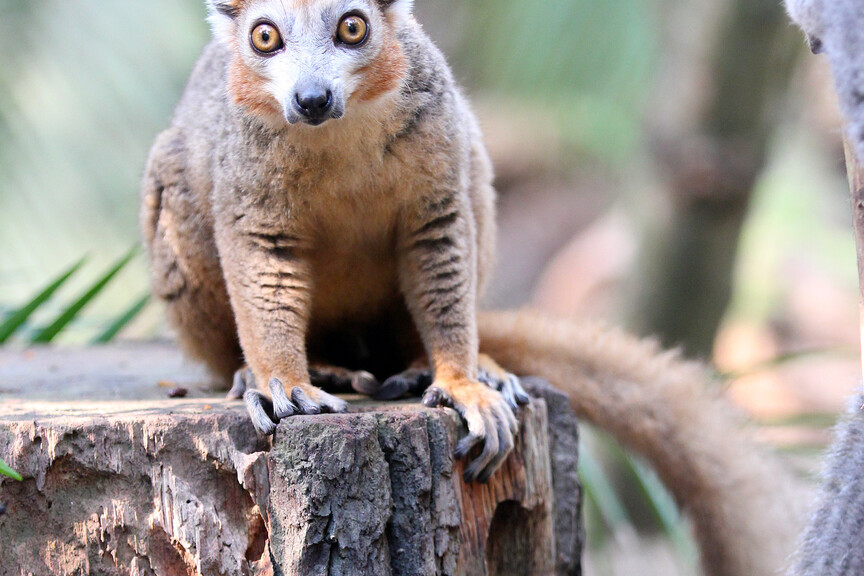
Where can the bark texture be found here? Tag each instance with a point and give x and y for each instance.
(121, 480)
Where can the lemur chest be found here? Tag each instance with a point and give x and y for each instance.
(353, 260)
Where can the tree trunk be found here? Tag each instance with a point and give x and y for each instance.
(685, 281)
(120, 479)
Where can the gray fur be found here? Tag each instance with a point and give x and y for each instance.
(834, 541)
(836, 27)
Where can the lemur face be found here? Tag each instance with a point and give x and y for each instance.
(310, 61)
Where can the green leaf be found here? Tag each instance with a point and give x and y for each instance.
(47, 334)
(603, 494)
(5, 470)
(122, 321)
(663, 507)
(19, 317)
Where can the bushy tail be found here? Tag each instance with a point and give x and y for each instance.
(742, 503)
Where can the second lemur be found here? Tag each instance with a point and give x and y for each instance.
(321, 210)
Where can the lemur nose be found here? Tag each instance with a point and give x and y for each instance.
(314, 102)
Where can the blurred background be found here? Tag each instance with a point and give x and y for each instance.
(672, 166)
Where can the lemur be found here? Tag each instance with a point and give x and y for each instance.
(322, 210)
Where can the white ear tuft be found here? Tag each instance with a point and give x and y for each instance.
(222, 18)
(399, 8)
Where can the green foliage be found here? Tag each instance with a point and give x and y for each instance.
(16, 321)
(47, 334)
(609, 503)
(5, 470)
(18, 318)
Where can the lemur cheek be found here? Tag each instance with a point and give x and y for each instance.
(384, 74)
(248, 89)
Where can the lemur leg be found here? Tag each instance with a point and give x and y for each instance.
(185, 269)
(269, 283)
(438, 277)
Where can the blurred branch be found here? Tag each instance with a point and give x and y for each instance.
(855, 172)
(686, 279)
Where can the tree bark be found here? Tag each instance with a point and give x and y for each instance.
(121, 480)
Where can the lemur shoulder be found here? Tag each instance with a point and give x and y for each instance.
(321, 210)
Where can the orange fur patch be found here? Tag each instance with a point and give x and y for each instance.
(247, 89)
(384, 74)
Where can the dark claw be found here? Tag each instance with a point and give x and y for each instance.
(303, 402)
(282, 406)
(411, 382)
(433, 397)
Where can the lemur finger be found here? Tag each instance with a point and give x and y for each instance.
(282, 406)
(364, 383)
(522, 397)
(410, 382)
(511, 387)
(500, 384)
(330, 403)
(260, 410)
(303, 402)
(477, 431)
(243, 379)
(490, 448)
(506, 443)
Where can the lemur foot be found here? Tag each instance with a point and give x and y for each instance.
(307, 400)
(337, 380)
(243, 379)
(411, 382)
(328, 378)
(489, 419)
(494, 376)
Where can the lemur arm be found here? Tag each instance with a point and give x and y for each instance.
(438, 277)
(269, 284)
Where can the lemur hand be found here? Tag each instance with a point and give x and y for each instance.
(490, 420)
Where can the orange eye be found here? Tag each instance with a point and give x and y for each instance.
(266, 39)
(352, 30)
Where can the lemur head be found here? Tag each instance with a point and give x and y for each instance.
(308, 61)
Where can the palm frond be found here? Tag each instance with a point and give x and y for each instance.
(47, 334)
(122, 320)
(19, 317)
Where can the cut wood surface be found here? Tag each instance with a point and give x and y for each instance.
(121, 479)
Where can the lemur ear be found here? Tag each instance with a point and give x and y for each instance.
(223, 14)
(399, 7)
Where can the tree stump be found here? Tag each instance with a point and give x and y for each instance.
(121, 479)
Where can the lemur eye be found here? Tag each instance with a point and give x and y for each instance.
(266, 39)
(352, 30)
